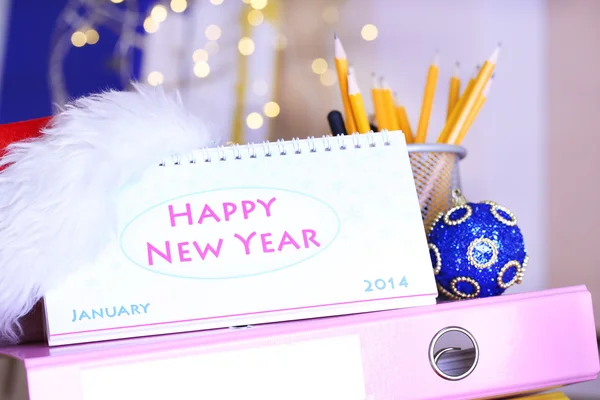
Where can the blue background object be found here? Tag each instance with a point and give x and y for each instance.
(31, 32)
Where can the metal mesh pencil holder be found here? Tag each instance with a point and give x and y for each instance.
(436, 174)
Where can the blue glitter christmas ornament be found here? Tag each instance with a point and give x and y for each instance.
(477, 250)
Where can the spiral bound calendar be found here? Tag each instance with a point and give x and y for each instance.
(252, 234)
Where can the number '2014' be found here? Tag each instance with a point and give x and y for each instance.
(380, 284)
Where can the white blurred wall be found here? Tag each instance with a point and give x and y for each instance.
(508, 141)
(574, 140)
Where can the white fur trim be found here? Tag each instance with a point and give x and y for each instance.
(58, 193)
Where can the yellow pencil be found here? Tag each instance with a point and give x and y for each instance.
(378, 104)
(341, 66)
(454, 91)
(403, 121)
(472, 79)
(474, 112)
(358, 107)
(428, 96)
(461, 114)
(470, 84)
(390, 109)
(459, 105)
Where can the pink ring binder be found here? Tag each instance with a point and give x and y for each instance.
(527, 342)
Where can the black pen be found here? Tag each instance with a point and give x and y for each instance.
(336, 123)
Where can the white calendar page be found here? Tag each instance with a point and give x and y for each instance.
(255, 234)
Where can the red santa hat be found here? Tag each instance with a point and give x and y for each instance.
(14, 132)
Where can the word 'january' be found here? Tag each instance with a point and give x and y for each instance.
(247, 242)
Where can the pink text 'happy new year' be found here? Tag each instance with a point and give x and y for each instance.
(248, 242)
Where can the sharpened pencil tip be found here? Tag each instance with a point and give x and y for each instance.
(456, 71)
(383, 83)
(436, 58)
(338, 49)
(494, 57)
(374, 81)
(352, 84)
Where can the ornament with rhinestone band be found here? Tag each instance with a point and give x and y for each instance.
(477, 249)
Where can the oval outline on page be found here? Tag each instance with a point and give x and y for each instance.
(308, 204)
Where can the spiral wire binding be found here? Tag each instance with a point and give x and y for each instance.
(281, 147)
(435, 173)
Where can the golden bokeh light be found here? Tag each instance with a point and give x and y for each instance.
(280, 42)
(369, 32)
(330, 15)
(255, 17)
(78, 39)
(200, 55)
(91, 36)
(150, 25)
(116, 1)
(216, 2)
(155, 78)
(254, 120)
(246, 46)
(201, 69)
(158, 13)
(319, 66)
(178, 6)
(212, 32)
(258, 4)
(271, 109)
(328, 78)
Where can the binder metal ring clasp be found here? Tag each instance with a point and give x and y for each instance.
(435, 356)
